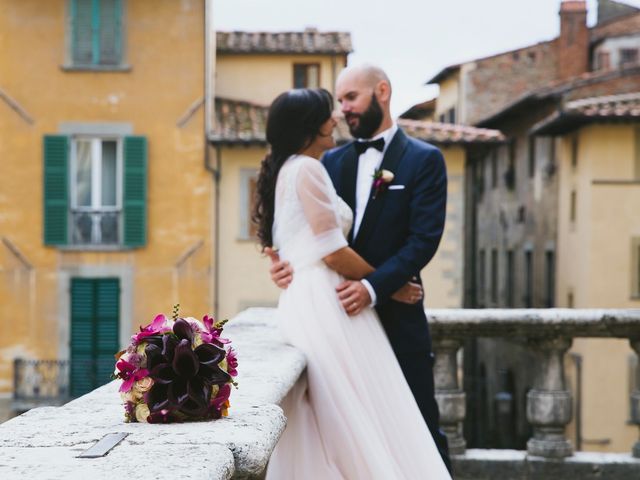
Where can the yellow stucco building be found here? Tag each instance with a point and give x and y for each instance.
(599, 250)
(105, 198)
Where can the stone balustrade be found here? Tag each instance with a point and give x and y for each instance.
(549, 333)
(45, 442)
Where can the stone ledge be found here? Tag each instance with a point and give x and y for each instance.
(237, 446)
(477, 464)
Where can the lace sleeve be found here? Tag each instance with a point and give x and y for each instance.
(319, 204)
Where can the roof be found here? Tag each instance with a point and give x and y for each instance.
(450, 134)
(243, 123)
(557, 89)
(239, 122)
(420, 110)
(444, 73)
(302, 42)
(610, 10)
(572, 115)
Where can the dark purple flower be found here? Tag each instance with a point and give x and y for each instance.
(183, 377)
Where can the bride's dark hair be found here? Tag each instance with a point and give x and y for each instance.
(293, 122)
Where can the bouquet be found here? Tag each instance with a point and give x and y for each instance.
(177, 369)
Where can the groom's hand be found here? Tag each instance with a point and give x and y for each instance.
(281, 272)
(354, 296)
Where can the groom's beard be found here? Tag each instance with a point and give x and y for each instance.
(369, 120)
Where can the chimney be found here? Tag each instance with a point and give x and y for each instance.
(573, 42)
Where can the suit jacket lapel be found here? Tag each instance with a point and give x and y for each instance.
(390, 162)
(348, 175)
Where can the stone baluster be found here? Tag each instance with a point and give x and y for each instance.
(635, 396)
(451, 400)
(549, 403)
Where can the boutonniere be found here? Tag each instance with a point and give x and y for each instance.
(381, 180)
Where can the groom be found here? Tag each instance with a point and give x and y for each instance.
(398, 223)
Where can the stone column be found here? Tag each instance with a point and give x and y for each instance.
(451, 400)
(635, 396)
(549, 404)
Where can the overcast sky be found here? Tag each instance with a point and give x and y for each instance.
(411, 39)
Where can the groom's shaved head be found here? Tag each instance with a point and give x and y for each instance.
(368, 74)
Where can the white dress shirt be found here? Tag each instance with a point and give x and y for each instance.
(368, 163)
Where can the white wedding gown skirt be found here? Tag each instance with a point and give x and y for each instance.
(353, 416)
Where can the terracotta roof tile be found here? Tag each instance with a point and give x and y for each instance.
(307, 41)
(244, 123)
(574, 114)
(448, 134)
(238, 122)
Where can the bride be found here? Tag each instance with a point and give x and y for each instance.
(353, 416)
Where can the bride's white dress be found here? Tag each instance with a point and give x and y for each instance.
(353, 417)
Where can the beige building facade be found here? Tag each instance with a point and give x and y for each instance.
(105, 203)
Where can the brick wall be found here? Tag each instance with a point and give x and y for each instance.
(496, 81)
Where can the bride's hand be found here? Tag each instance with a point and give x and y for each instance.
(281, 272)
(410, 293)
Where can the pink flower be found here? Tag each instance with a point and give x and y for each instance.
(130, 374)
(232, 362)
(212, 334)
(159, 325)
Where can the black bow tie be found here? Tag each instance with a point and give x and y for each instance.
(362, 147)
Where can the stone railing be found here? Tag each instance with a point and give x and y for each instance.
(45, 442)
(549, 334)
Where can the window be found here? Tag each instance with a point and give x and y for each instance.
(572, 206)
(635, 265)
(442, 118)
(494, 169)
(481, 278)
(510, 174)
(574, 151)
(451, 115)
(603, 61)
(306, 75)
(636, 173)
(95, 320)
(550, 278)
(509, 279)
(479, 177)
(570, 300)
(96, 32)
(528, 272)
(494, 276)
(95, 191)
(248, 184)
(532, 156)
(628, 56)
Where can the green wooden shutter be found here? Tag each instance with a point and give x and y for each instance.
(110, 32)
(107, 327)
(135, 191)
(82, 336)
(56, 198)
(95, 306)
(82, 37)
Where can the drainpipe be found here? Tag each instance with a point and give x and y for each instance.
(209, 85)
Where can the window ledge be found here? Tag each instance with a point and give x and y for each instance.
(95, 248)
(96, 68)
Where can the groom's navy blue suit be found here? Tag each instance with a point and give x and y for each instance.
(399, 234)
